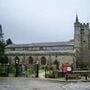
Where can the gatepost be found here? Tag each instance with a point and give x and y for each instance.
(37, 69)
(16, 66)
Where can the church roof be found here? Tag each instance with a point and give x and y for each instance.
(41, 44)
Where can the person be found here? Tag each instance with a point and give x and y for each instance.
(23, 70)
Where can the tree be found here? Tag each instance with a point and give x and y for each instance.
(3, 57)
(2, 48)
(9, 41)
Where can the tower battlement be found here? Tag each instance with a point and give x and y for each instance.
(85, 25)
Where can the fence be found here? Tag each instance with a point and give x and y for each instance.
(22, 70)
(4, 70)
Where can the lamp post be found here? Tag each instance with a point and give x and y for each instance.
(16, 66)
(8, 66)
(46, 71)
(37, 69)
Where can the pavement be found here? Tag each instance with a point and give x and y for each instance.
(24, 83)
(42, 83)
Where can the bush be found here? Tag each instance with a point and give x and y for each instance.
(28, 72)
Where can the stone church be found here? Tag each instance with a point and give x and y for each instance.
(75, 52)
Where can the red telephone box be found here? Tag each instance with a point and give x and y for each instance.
(66, 68)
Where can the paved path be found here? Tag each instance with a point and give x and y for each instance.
(37, 84)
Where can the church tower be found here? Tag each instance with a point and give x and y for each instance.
(81, 35)
(81, 41)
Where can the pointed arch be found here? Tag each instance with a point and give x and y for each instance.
(30, 61)
(16, 58)
(43, 60)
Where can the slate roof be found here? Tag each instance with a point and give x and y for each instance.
(41, 44)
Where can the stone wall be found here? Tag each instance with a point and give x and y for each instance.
(62, 59)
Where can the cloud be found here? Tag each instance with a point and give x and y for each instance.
(27, 21)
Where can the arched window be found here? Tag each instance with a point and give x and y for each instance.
(6, 59)
(30, 60)
(43, 61)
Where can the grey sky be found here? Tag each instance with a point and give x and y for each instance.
(27, 21)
